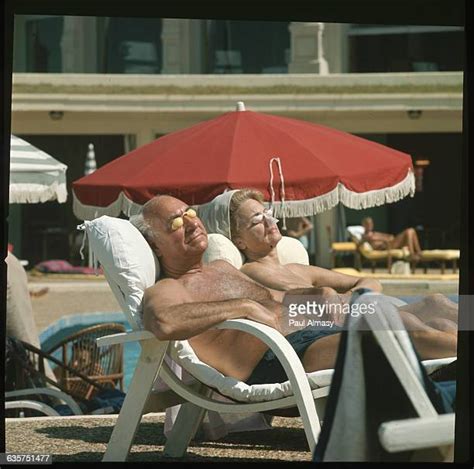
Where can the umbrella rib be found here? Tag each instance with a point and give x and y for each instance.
(309, 150)
(298, 143)
(232, 147)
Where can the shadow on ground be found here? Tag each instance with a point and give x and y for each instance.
(263, 445)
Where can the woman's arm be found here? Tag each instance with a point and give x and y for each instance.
(267, 277)
(342, 283)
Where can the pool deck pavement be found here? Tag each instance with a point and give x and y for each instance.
(75, 439)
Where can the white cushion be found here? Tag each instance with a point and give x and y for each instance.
(183, 354)
(129, 263)
(290, 250)
(220, 247)
(356, 231)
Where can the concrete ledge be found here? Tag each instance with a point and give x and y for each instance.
(333, 81)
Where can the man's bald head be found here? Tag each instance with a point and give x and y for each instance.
(156, 222)
(151, 209)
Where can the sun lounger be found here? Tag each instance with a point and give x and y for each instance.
(80, 352)
(28, 388)
(338, 248)
(130, 267)
(396, 413)
(109, 239)
(372, 255)
(440, 255)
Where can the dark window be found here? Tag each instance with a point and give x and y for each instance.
(133, 45)
(407, 52)
(247, 46)
(43, 45)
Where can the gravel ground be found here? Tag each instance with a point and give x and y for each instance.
(85, 439)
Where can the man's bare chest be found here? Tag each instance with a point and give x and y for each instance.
(217, 286)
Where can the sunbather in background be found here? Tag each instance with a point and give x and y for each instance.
(256, 235)
(382, 241)
(299, 228)
(192, 298)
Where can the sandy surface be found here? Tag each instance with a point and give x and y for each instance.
(85, 439)
(71, 297)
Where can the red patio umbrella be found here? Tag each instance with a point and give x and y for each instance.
(306, 168)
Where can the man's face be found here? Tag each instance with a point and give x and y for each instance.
(255, 233)
(174, 237)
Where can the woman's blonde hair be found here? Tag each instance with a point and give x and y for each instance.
(238, 198)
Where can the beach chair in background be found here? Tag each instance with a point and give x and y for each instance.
(382, 404)
(28, 388)
(374, 256)
(342, 248)
(79, 350)
(441, 256)
(130, 267)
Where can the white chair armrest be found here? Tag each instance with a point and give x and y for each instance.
(292, 366)
(35, 405)
(435, 363)
(262, 331)
(123, 337)
(417, 433)
(47, 391)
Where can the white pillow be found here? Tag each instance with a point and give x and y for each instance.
(127, 259)
(356, 231)
(290, 250)
(220, 247)
(366, 246)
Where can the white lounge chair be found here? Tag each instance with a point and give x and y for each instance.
(130, 267)
(425, 435)
(375, 255)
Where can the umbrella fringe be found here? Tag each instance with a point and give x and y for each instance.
(291, 208)
(89, 212)
(354, 200)
(29, 193)
(378, 197)
(305, 208)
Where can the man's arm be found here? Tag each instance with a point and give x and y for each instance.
(256, 290)
(342, 283)
(264, 276)
(170, 314)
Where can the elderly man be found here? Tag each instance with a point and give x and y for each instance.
(192, 297)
